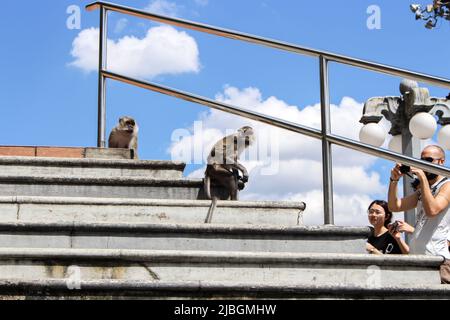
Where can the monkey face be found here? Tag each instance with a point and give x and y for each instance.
(248, 134)
(127, 124)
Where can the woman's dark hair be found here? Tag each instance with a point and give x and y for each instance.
(387, 212)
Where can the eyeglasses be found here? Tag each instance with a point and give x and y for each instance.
(374, 211)
(429, 159)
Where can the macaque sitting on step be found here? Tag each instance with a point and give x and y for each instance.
(124, 135)
(223, 168)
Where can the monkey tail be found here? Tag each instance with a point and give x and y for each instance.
(207, 186)
(211, 210)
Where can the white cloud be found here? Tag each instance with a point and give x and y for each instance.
(299, 174)
(163, 7)
(120, 25)
(163, 50)
(345, 122)
(349, 210)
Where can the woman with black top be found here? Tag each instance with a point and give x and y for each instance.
(384, 240)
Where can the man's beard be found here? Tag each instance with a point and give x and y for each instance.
(430, 176)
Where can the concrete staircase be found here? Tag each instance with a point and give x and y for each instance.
(91, 228)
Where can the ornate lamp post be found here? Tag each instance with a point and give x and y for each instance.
(413, 117)
(432, 12)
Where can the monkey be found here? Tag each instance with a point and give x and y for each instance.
(223, 166)
(124, 135)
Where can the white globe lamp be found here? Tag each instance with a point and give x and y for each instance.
(422, 125)
(373, 134)
(396, 144)
(444, 137)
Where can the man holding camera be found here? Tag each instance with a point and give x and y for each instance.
(432, 200)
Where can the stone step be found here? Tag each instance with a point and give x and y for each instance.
(237, 267)
(73, 209)
(104, 187)
(18, 289)
(65, 167)
(281, 269)
(200, 237)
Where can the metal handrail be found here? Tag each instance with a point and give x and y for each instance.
(280, 123)
(324, 58)
(373, 66)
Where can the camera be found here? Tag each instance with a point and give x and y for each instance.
(394, 226)
(405, 169)
(415, 183)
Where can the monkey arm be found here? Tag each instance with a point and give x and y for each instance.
(112, 141)
(134, 146)
(218, 170)
(241, 168)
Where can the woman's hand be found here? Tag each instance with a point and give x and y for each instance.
(402, 226)
(371, 249)
(393, 229)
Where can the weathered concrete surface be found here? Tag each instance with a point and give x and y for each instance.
(23, 166)
(71, 209)
(103, 187)
(202, 237)
(233, 267)
(177, 257)
(106, 153)
(186, 290)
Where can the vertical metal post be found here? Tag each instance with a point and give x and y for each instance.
(101, 125)
(327, 173)
(411, 148)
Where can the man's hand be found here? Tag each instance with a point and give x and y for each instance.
(395, 172)
(419, 174)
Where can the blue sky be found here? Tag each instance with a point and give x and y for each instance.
(46, 101)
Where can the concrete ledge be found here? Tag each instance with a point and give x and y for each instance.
(114, 210)
(201, 257)
(106, 153)
(107, 181)
(116, 163)
(250, 231)
(54, 167)
(203, 237)
(106, 187)
(242, 267)
(151, 202)
(116, 289)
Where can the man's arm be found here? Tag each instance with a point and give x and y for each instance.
(433, 205)
(394, 203)
(404, 204)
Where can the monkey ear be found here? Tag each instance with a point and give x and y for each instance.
(121, 119)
